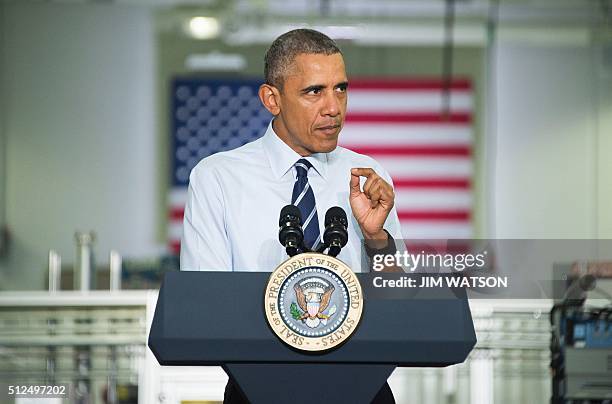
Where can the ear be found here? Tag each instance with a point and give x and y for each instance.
(270, 98)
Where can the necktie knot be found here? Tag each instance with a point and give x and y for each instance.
(302, 166)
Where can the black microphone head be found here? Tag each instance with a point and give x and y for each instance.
(290, 210)
(290, 233)
(335, 234)
(336, 213)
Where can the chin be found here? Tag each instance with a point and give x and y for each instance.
(327, 147)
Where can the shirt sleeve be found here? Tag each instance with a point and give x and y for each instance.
(205, 245)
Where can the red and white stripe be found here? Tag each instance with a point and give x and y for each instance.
(428, 154)
(177, 197)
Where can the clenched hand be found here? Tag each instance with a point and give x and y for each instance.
(372, 205)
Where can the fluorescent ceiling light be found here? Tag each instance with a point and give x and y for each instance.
(216, 61)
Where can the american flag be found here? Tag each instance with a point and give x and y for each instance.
(401, 123)
(398, 122)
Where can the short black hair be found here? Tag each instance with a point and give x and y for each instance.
(285, 48)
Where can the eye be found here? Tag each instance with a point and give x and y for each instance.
(314, 91)
(342, 88)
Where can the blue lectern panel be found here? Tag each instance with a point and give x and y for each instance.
(213, 318)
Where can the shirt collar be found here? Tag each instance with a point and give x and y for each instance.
(282, 157)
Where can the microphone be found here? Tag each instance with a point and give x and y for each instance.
(290, 233)
(335, 236)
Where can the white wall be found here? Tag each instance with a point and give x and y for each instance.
(603, 86)
(547, 176)
(2, 141)
(79, 129)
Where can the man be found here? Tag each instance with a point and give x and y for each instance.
(235, 197)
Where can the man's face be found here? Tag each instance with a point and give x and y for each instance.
(312, 103)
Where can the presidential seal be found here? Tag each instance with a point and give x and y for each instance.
(313, 302)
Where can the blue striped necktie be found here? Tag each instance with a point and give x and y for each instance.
(304, 199)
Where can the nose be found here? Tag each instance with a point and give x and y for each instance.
(331, 106)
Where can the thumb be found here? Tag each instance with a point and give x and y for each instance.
(354, 186)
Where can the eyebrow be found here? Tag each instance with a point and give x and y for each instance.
(321, 86)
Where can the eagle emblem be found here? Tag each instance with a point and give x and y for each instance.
(313, 296)
(313, 302)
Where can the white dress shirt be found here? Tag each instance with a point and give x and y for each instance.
(235, 198)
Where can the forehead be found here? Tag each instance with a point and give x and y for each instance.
(309, 68)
